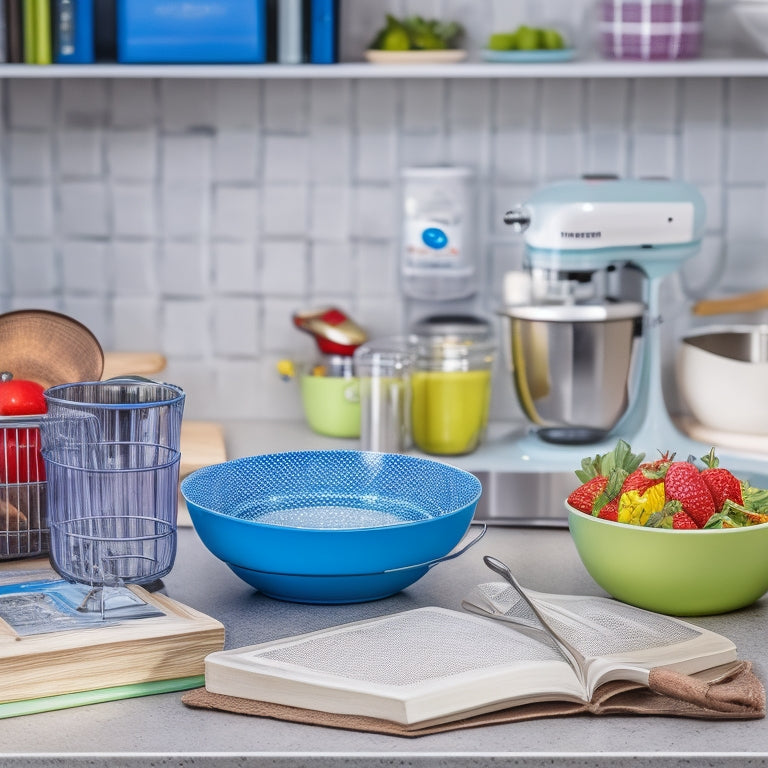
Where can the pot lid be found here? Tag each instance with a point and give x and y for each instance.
(49, 348)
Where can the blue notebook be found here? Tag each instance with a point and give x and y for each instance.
(73, 32)
(324, 32)
(193, 31)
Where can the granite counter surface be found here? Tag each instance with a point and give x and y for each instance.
(160, 731)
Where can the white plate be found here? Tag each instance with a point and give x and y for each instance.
(448, 56)
(529, 57)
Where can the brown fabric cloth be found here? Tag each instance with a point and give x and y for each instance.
(729, 692)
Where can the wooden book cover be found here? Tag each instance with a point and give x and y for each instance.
(51, 647)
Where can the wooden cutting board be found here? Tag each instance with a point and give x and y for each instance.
(202, 443)
(132, 363)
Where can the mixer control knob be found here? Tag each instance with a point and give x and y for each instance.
(518, 218)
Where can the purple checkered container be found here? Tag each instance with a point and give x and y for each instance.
(652, 30)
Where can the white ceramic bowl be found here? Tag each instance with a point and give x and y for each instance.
(722, 375)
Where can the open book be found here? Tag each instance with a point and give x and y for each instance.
(61, 645)
(433, 665)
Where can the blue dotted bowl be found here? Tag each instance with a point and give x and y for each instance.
(365, 525)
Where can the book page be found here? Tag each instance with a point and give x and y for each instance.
(605, 638)
(620, 641)
(407, 667)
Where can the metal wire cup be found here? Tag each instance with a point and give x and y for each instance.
(112, 510)
(129, 409)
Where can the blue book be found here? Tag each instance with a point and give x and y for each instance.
(73, 32)
(193, 31)
(324, 36)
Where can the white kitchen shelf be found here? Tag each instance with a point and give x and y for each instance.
(587, 68)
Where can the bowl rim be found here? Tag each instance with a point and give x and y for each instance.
(329, 453)
(573, 512)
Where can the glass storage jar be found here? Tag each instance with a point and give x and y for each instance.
(451, 384)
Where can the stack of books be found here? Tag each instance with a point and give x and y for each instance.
(169, 31)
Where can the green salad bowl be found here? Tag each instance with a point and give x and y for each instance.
(675, 572)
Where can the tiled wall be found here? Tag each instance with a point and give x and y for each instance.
(193, 216)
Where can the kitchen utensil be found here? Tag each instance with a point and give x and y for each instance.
(384, 368)
(451, 383)
(722, 376)
(112, 511)
(599, 242)
(129, 409)
(48, 347)
(753, 301)
(23, 514)
(343, 588)
(334, 331)
(331, 403)
(671, 571)
(597, 245)
(651, 29)
(336, 515)
(571, 366)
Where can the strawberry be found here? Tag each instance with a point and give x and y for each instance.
(648, 474)
(722, 484)
(584, 497)
(684, 483)
(672, 516)
(602, 477)
(683, 521)
(610, 511)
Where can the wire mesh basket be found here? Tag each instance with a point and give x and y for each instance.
(23, 508)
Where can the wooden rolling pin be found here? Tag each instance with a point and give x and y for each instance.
(136, 363)
(744, 302)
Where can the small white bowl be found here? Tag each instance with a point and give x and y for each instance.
(722, 375)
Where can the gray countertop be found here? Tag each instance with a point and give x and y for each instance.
(160, 731)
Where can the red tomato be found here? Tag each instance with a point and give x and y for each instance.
(20, 457)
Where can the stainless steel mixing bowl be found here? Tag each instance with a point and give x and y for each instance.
(573, 366)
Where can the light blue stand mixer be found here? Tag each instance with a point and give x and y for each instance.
(586, 364)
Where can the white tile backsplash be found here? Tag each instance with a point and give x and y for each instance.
(236, 327)
(286, 159)
(235, 267)
(132, 154)
(284, 268)
(235, 156)
(185, 209)
(184, 269)
(133, 104)
(194, 216)
(84, 208)
(235, 212)
(80, 153)
(33, 268)
(85, 267)
(134, 209)
(285, 211)
(30, 155)
(30, 209)
(134, 267)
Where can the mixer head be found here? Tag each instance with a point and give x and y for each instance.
(590, 224)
